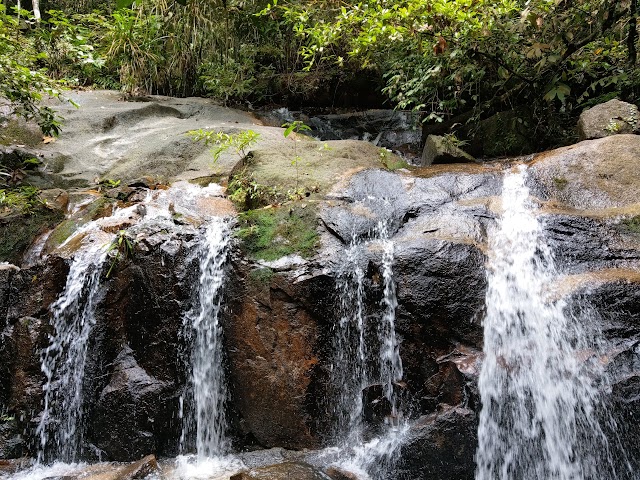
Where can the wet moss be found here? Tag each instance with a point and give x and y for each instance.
(17, 132)
(17, 232)
(98, 208)
(269, 234)
(632, 224)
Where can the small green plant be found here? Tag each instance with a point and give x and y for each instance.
(120, 248)
(108, 184)
(613, 126)
(560, 182)
(238, 142)
(247, 194)
(295, 127)
(390, 161)
(7, 418)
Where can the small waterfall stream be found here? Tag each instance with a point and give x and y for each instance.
(362, 360)
(203, 329)
(541, 375)
(63, 361)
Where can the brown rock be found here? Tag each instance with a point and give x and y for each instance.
(55, 198)
(339, 474)
(271, 338)
(140, 469)
(281, 471)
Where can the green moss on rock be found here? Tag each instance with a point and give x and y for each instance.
(17, 232)
(269, 234)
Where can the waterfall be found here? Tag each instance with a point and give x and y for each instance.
(366, 355)
(541, 375)
(60, 428)
(207, 396)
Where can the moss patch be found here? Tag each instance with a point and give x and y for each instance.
(632, 224)
(18, 232)
(261, 276)
(269, 234)
(99, 208)
(18, 132)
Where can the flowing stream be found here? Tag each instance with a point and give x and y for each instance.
(208, 393)
(541, 375)
(63, 361)
(364, 359)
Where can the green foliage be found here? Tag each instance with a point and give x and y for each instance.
(446, 57)
(23, 199)
(122, 247)
(108, 184)
(272, 233)
(23, 83)
(238, 142)
(247, 194)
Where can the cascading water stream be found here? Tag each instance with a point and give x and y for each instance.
(63, 361)
(202, 324)
(360, 361)
(541, 375)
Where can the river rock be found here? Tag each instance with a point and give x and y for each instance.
(439, 149)
(441, 445)
(610, 118)
(282, 471)
(593, 174)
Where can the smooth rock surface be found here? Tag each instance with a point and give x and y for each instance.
(609, 118)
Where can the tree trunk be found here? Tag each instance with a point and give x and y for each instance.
(36, 9)
(632, 38)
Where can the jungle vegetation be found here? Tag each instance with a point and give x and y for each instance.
(455, 61)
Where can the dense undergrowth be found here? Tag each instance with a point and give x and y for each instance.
(455, 61)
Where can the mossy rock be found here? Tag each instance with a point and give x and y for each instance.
(19, 132)
(100, 207)
(17, 232)
(272, 233)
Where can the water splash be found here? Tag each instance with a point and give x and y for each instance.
(63, 362)
(208, 393)
(539, 379)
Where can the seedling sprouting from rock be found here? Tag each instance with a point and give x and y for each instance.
(295, 127)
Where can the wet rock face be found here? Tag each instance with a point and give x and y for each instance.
(24, 297)
(441, 445)
(282, 471)
(273, 341)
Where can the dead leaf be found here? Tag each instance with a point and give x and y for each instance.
(46, 139)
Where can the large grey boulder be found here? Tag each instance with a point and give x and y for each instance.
(610, 118)
(439, 149)
(594, 174)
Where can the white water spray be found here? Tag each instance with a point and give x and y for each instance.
(207, 397)
(63, 362)
(539, 379)
(362, 360)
